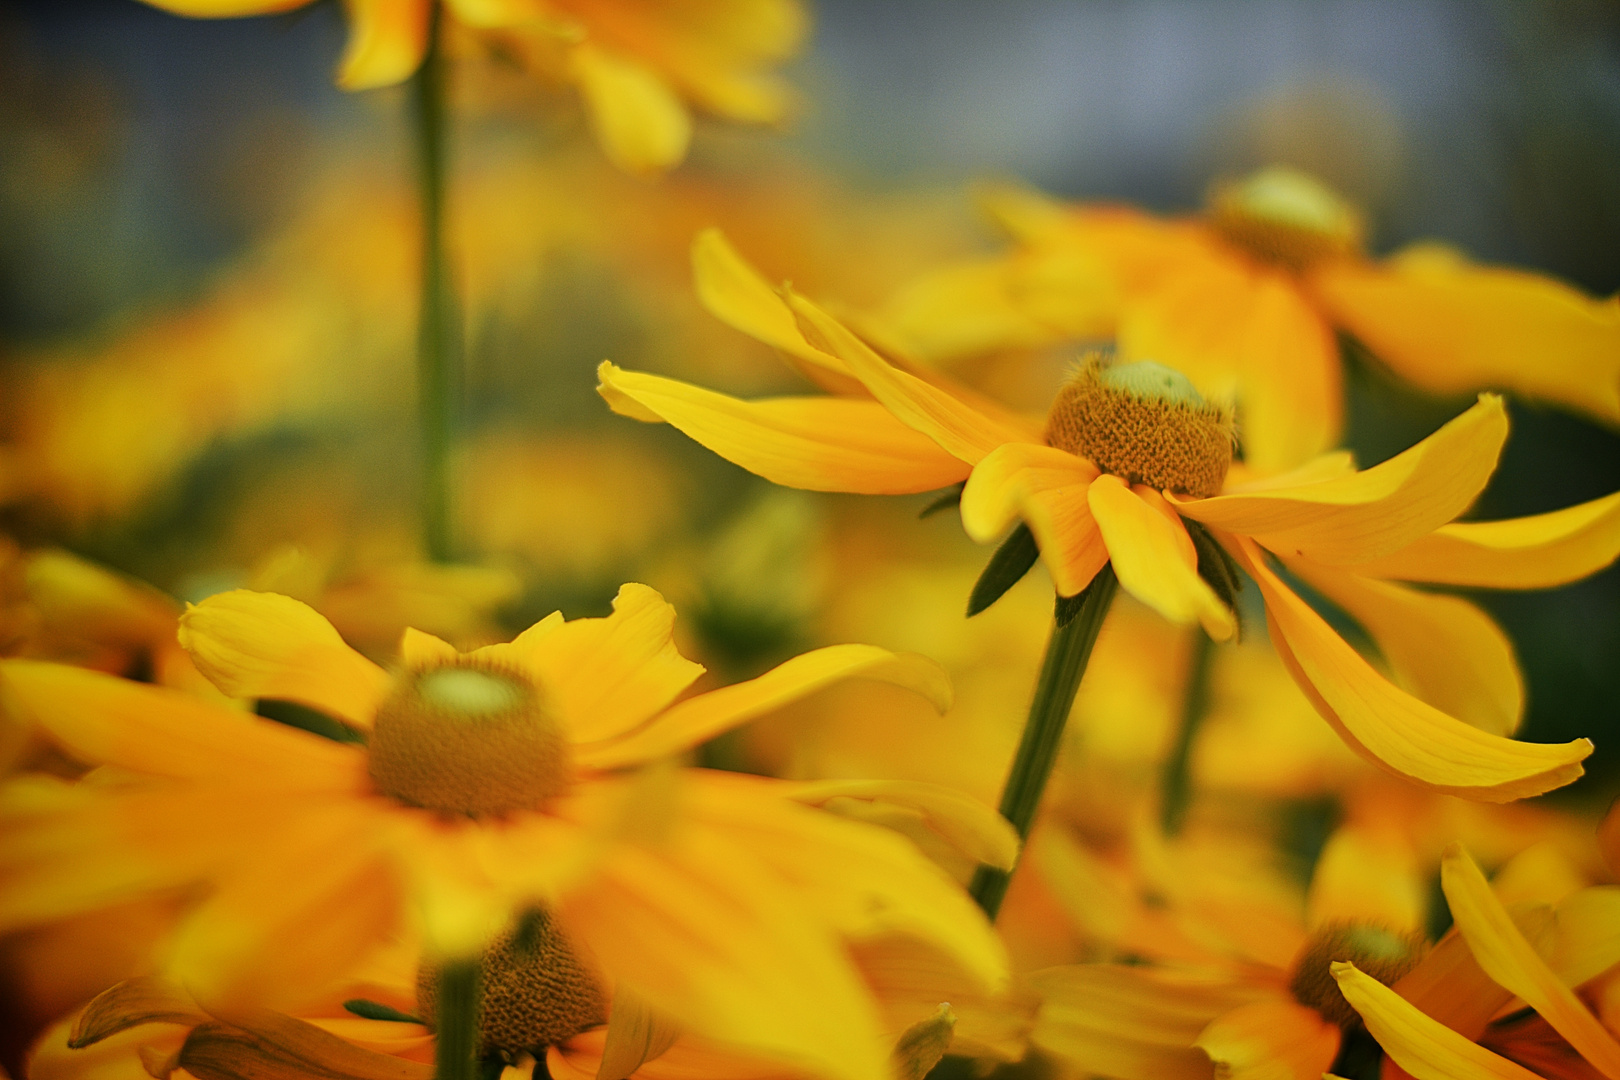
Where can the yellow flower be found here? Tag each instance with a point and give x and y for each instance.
(1130, 453)
(1245, 299)
(637, 65)
(516, 777)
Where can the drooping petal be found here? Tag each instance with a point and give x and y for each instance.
(267, 1044)
(640, 123)
(226, 9)
(705, 716)
(609, 675)
(1513, 962)
(1153, 557)
(964, 822)
(636, 1034)
(263, 645)
(1237, 330)
(1376, 511)
(957, 426)
(1453, 327)
(817, 443)
(104, 720)
(706, 934)
(1538, 552)
(1442, 648)
(144, 1000)
(1270, 1040)
(1424, 1047)
(1368, 875)
(1134, 1023)
(1048, 488)
(1449, 985)
(386, 41)
(690, 1058)
(119, 1057)
(1390, 727)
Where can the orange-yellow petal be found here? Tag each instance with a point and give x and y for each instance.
(418, 649)
(607, 676)
(707, 715)
(1390, 727)
(1449, 985)
(964, 822)
(1452, 327)
(1270, 1040)
(1376, 511)
(1537, 552)
(1424, 1047)
(1442, 648)
(104, 720)
(1586, 934)
(640, 123)
(1368, 875)
(1153, 558)
(263, 645)
(689, 1058)
(818, 443)
(957, 426)
(225, 9)
(1513, 962)
(386, 41)
(1047, 488)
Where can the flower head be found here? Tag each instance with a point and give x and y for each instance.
(1347, 532)
(480, 789)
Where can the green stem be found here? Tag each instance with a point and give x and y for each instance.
(455, 1054)
(1177, 786)
(438, 342)
(1067, 653)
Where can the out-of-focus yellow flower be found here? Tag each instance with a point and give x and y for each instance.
(1245, 300)
(638, 66)
(719, 899)
(1129, 454)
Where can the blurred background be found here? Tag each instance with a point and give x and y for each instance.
(206, 293)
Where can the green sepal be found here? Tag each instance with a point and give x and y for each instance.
(951, 496)
(307, 719)
(376, 1010)
(1005, 569)
(1217, 567)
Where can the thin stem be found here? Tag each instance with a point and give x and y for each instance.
(1067, 653)
(1177, 785)
(455, 1055)
(438, 342)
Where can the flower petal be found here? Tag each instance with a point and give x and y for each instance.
(690, 1058)
(1390, 727)
(609, 675)
(226, 9)
(1368, 875)
(263, 645)
(146, 1000)
(1378, 510)
(636, 1034)
(1046, 487)
(386, 41)
(1134, 1023)
(104, 720)
(641, 125)
(1537, 552)
(706, 934)
(818, 443)
(964, 822)
(705, 716)
(1452, 327)
(1270, 1040)
(1153, 557)
(1424, 1047)
(1442, 648)
(267, 1044)
(1587, 934)
(418, 649)
(1512, 961)
(958, 427)
(1449, 985)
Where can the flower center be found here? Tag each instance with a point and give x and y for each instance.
(468, 738)
(1284, 217)
(1383, 953)
(1144, 422)
(536, 991)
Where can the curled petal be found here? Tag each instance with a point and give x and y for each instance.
(707, 715)
(263, 645)
(1048, 488)
(145, 1000)
(1390, 727)
(1507, 957)
(1358, 517)
(817, 443)
(636, 1034)
(1153, 557)
(641, 125)
(1537, 552)
(268, 1044)
(387, 39)
(1443, 648)
(1452, 327)
(1424, 1047)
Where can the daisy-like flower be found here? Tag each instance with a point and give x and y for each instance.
(1127, 457)
(1245, 299)
(638, 66)
(480, 787)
